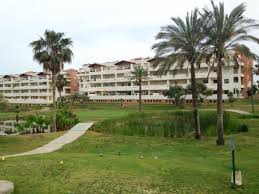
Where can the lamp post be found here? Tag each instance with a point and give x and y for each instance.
(253, 71)
(232, 148)
(252, 89)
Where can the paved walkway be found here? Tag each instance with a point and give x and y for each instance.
(233, 110)
(59, 142)
(239, 111)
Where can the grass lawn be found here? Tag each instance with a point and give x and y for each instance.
(22, 143)
(169, 165)
(11, 115)
(97, 112)
(182, 166)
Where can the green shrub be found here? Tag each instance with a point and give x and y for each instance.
(66, 119)
(250, 116)
(242, 128)
(167, 124)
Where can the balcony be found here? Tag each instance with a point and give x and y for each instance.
(127, 88)
(127, 97)
(29, 101)
(125, 70)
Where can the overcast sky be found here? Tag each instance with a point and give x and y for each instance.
(102, 30)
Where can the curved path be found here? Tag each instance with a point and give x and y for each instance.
(233, 110)
(239, 111)
(59, 142)
(75, 133)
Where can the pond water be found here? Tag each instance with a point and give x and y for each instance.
(9, 127)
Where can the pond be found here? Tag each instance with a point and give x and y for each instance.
(8, 127)
(11, 127)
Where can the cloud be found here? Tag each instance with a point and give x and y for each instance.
(101, 30)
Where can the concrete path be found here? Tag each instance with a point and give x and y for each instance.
(233, 110)
(59, 142)
(239, 111)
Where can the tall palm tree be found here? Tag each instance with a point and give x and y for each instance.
(226, 35)
(52, 51)
(60, 84)
(17, 110)
(139, 74)
(180, 43)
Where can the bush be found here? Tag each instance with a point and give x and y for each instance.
(34, 123)
(242, 128)
(168, 124)
(39, 123)
(251, 116)
(66, 119)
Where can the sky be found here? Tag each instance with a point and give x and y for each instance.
(101, 30)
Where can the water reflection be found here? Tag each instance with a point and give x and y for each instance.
(11, 127)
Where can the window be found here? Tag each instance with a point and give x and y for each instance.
(235, 79)
(236, 91)
(205, 81)
(235, 70)
(226, 81)
(215, 81)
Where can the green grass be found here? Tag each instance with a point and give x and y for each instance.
(177, 123)
(98, 112)
(22, 143)
(11, 115)
(183, 165)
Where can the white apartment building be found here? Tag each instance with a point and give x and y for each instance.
(30, 87)
(110, 82)
(27, 88)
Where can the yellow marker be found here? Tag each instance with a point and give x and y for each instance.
(61, 162)
(3, 158)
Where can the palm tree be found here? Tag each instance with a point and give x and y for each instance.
(60, 84)
(181, 42)
(139, 74)
(226, 34)
(52, 51)
(17, 110)
(3, 102)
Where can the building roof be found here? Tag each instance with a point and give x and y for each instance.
(94, 64)
(151, 60)
(124, 62)
(43, 73)
(29, 73)
(8, 76)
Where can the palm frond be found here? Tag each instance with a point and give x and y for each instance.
(181, 42)
(52, 50)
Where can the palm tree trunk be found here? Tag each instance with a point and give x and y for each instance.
(220, 126)
(54, 124)
(140, 93)
(59, 96)
(17, 117)
(195, 104)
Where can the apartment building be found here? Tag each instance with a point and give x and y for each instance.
(33, 87)
(110, 82)
(72, 86)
